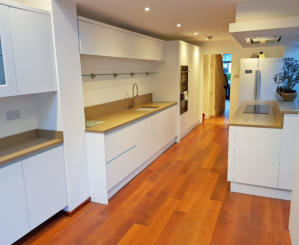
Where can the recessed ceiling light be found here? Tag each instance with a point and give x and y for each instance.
(147, 9)
(208, 37)
(195, 33)
(178, 25)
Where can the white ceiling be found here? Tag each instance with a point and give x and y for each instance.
(207, 17)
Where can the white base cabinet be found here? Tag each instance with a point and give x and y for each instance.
(127, 151)
(32, 190)
(261, 160)
(14, 220)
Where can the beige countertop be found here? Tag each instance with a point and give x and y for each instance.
(24, 144)
(272, 120)
(117, 119)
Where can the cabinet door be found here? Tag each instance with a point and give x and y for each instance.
(130, 45)
(8, 82)
(33, 51)
(96, 39)
(257, 156)
(288, 152)
(14, 221)
(45, 183)
(154, 49)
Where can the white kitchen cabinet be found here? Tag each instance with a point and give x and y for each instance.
(45, 184)
(256, 159)
(8, 81)
(97, 38)
(116, 157)
(130, 45)
(14, 222)
(33, 51)
(288, 151)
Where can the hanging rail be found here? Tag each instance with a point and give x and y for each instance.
(132, 74)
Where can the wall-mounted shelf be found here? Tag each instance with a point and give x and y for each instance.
(94, 75)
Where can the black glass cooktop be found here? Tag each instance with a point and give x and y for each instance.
(257, 109)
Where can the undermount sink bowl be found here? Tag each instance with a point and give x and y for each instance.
(147, 108)
(90, 124)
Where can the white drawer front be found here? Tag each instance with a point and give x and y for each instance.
(119, 142)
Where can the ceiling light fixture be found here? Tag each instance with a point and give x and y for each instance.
(178, 25)
(208, 37)
(195, 33)
(147, 9)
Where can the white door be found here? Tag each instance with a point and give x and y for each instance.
(257, 156)
(45, 183)
(33, 51)
(14, 222)
(8, 82)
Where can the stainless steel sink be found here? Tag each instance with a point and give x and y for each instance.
(147, 108)
(89, 124)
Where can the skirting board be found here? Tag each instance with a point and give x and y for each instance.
(126, 180)
(260, 191)
(189, 130)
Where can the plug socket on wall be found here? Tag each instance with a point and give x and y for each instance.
(13, 115)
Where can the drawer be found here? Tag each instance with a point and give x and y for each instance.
(121, 167)
(119, 142)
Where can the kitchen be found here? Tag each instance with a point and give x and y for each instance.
(102, 115)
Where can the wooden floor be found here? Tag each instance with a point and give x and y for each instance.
(182, 198)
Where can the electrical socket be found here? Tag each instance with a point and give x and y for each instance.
(13, 115)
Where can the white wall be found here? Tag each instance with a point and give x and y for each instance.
(238, 52)
(103, 89)
(257, 9)
(190, 56)
(71, 100)
(293, 51)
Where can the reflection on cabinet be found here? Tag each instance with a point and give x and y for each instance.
(27, 51)
(104, 40)
(128, 151)
(8, 84)
(14, 222)
(31, 190)
(45, 185)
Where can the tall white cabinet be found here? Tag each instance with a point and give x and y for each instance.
(27, 51)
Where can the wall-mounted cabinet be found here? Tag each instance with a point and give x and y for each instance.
(100, 39)
(27, 62)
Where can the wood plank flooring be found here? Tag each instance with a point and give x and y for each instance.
(182, 198)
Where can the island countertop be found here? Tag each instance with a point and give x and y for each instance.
(115, 120)
(272, 120)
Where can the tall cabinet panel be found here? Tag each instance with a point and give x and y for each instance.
(14, 222)
(33, 51)
(8, 83)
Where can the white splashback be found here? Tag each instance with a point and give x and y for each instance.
(103, 89)
(36, 111)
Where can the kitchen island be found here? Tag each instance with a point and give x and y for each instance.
(262, 147)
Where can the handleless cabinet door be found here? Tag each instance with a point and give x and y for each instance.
(45, 183)
(33, 51)
(14, 222)
(8, 82)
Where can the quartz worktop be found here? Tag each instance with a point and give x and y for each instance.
(272, 120)
(24, 144)
(117, 119)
